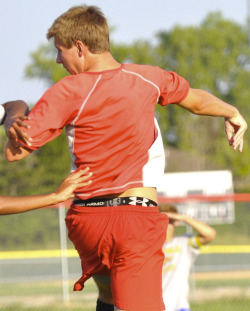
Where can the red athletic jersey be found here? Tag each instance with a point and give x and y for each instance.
(109, 120)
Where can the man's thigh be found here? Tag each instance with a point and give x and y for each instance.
(104, 288)
(136, 273)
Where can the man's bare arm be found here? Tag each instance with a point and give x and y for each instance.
(21, 204)
(203, 103)
(206, 233)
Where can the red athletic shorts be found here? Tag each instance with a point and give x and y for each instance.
(124, 242)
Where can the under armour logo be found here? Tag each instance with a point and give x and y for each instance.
(115, 202)
(137, 201)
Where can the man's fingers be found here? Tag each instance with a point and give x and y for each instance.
(238, 139)
(15, 132)
(82, 184)
(238, 145)
(235, 130)
(79, 173)
(241, 145)
(20, 122)
(81, 179)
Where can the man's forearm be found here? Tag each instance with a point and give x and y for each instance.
(203, 103)
(15, 205)
(14, 109)
(206, 233)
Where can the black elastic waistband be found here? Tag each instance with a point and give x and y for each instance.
(115, 202)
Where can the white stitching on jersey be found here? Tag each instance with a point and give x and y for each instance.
(140, 76)
(86, 99)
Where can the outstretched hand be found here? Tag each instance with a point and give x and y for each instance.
(235, 128)
(75, 180)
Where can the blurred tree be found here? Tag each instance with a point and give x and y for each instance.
(40, 173)
(43, 65)
(215, 57)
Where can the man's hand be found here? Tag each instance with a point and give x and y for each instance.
(16, 112)
(15, 132)
(235, 128)
(75, 180)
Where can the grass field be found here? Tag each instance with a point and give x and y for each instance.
(46, 296)
(229, 304)
(213, 293)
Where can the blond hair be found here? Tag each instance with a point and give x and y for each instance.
(166, 207)
(84, 23)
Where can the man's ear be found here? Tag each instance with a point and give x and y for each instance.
(80, 47)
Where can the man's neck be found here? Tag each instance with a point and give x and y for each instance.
(101, 62)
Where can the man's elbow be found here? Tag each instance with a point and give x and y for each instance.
(212, 235)
(208, 237)
(10, 157)
(13, 153)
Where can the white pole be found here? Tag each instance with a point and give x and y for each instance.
(189, 230)
(64, 258)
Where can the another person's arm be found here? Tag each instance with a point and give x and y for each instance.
(14, 205)
(206, 233)
(15, 114)
(14, 152)
(203, 103)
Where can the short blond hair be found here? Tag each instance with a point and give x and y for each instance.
(166, 207)
(84, 23)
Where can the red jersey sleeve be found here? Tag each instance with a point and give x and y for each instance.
(174, 88)
(50, 114)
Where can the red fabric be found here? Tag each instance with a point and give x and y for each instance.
(124, 242)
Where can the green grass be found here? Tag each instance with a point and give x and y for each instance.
(19, 307)
(229, 304)
(45, 288)
(216, 305)
(47, 296)
(242, 283)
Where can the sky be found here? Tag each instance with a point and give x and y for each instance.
(24, 23)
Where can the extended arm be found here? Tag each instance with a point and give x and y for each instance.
(206, 233)
(203, 103)
(14, 205)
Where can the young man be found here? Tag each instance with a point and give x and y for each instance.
(180, 252)
(108, 111)
(20, 204)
